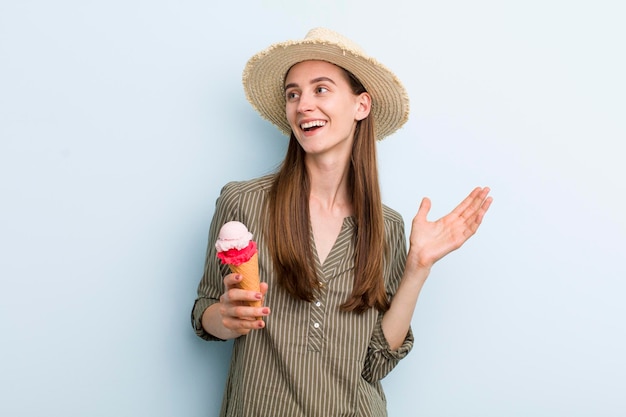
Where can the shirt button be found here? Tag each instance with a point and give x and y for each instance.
(317, 303)
(316, 325)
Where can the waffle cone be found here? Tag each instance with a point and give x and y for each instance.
(250, 273)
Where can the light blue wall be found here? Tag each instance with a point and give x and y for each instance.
(120, 121)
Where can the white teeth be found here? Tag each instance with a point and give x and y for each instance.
(314, 123)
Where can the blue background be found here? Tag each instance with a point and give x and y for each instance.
(121, 120)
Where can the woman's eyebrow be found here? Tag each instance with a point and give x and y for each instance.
(313, 81)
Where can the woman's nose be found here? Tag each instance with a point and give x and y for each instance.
(305, 103)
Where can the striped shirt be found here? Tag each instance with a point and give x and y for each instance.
(311, 359)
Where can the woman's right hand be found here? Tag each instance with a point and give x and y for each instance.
(232, 316)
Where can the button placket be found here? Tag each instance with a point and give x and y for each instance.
(317, 317)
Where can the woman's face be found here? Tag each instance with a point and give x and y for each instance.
(321, 107)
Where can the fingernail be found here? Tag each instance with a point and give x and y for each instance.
(258, 296)
(266, 311)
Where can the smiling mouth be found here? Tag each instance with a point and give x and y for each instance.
(309, 126)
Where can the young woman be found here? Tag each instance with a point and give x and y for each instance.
(339, 287)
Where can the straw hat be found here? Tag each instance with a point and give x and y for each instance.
(264, 76)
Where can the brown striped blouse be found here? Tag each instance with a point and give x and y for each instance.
(311, 359)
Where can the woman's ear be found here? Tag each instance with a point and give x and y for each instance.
(364, 102)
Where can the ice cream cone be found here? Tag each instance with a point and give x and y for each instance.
(250, 272)
(236, 249)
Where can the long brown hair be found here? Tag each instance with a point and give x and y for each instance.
(289, 234)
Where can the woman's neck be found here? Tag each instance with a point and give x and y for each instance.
(329, 204)
(329, 187)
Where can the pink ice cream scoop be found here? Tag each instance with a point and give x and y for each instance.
(234, 244)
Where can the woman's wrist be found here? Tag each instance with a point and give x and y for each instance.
(212, 323)
(417, 266)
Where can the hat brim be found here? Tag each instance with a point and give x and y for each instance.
(264, 75)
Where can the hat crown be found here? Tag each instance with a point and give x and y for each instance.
(326, 35)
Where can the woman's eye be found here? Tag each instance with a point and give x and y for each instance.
(321, 89)
(291, 95)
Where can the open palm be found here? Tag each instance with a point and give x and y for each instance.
(431, 241)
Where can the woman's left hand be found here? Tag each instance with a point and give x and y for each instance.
(431, 241)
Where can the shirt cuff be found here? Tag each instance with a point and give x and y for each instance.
(379, 343)
(199, 307)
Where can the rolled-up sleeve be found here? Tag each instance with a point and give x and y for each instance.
(381, 359)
